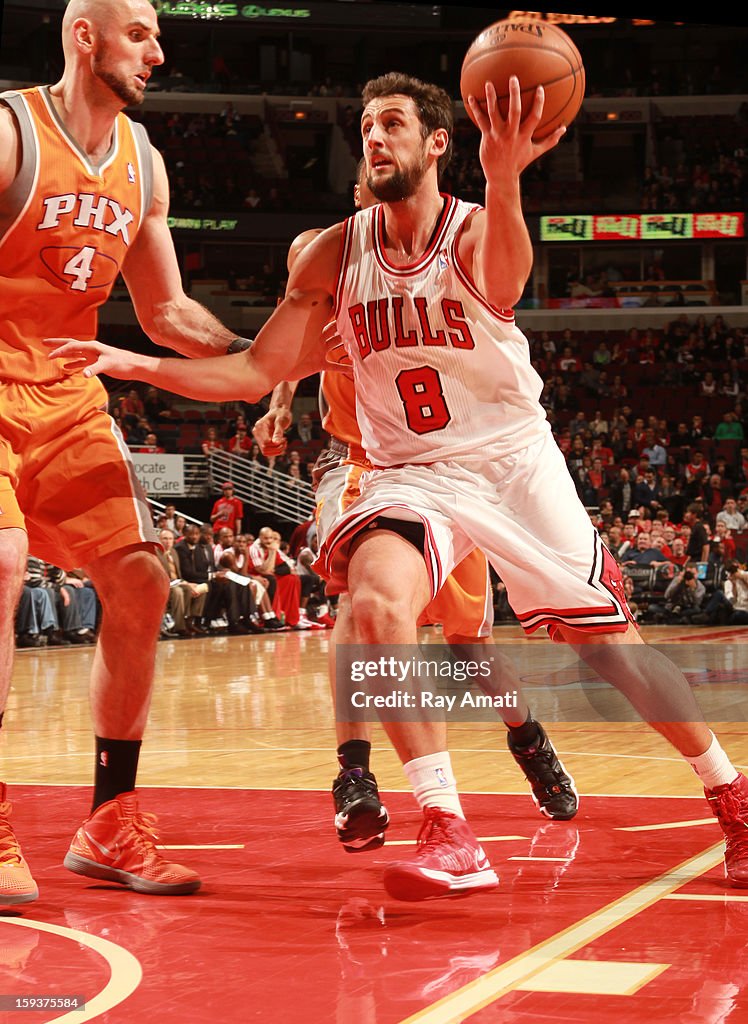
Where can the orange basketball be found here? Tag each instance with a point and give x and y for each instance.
(538, 53)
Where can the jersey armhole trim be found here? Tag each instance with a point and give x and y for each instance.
(145, 162)
(344, 256)
(506, 316)
(18, 196)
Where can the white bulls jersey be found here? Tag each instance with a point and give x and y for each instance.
(439, 372)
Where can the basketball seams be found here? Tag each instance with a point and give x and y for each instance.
(531, 88)
(484, 53)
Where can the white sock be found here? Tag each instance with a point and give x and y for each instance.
(433, 782)
(268, 615)
(713, 767)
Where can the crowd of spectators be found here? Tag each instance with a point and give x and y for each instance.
(209, 158)
(703, 165)
(305, 441)
(56, 608)
(155, 423)
(686, 567)
(221, 581)
(668, 493)
(224, 580)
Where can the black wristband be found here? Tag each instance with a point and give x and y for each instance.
(238, 345)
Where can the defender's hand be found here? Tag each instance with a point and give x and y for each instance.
(91, 357)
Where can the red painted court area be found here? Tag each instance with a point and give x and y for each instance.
(287, 927)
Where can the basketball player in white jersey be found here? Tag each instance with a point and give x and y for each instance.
(463, 608)
(422, 289)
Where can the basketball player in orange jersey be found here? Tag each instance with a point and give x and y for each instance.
(82, 196)
(421, 289)
(463, 606)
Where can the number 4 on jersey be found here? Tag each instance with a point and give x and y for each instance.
(79, 268)
(422, 395)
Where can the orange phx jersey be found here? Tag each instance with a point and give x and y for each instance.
(65, 229)
(338, 402)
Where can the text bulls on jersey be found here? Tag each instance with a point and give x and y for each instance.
(380, 324)
(87, 210)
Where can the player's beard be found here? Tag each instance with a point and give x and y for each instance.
(120, 86)
(401, 184)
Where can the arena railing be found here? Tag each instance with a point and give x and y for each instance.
(261, 488)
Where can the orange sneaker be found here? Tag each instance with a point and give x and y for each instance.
(16, 883)
(118, 844)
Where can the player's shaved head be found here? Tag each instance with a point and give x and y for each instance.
(94, 10)
(98, 13)
(114, 42)
(102, 11)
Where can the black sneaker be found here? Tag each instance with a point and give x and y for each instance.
(55, 638)
(552, 787)
(29, 640)
(360, 816)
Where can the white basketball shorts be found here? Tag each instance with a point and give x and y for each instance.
(522, 511)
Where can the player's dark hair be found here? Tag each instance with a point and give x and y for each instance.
(433, 104)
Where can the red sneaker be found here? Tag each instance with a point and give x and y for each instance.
(16, 883)
(729, 805)
(118, 843)
(449, 860)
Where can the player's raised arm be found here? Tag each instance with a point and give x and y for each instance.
(167, 315)
(496, 245)
(289, 346)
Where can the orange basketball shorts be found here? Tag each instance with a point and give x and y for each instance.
(66, 476)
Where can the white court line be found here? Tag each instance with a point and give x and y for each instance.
(709, 897)
(203, 846)
(316, 750)
(125, 970)
(667, 825)
(462, 1003)
(481, 839)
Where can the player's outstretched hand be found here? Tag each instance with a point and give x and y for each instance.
(91, 357)
(269, 431)
(507, 146)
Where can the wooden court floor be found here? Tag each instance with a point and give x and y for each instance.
(621, 915)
